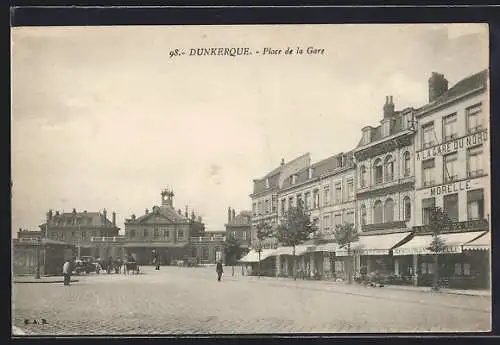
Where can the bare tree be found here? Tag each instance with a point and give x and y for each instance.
(294, 229)
(438, 221)
(345, 234)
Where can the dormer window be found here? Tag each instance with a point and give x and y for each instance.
(293, 179)
(310, 173)
(386, 128)
(366, 135)
(267, 182)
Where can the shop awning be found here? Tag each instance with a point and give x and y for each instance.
(253, 255)
(299, 250)
(480, 243)
(381, 244)
(327, 247)
(453, 242)
(342, 251)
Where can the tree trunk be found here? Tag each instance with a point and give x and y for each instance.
(259, 265)
(435, 278)
(294, 265)
(349, 263)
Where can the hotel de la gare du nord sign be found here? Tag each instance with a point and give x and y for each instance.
(450, 147)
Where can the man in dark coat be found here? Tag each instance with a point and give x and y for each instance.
(219, 269)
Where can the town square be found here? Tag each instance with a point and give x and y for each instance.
(216, 205)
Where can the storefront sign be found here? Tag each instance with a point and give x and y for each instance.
(452, 146)
(451, 188)
(424, 251)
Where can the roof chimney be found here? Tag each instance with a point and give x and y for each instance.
(233, 216)
(146, 211)
(114, 218)
(388, 107)
(186, 214)
(282, 162)
(74, 211)
(229, 214)
(438, 85)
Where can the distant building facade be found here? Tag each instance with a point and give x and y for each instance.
(239, 227)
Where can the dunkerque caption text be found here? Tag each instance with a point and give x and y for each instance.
(245, 51)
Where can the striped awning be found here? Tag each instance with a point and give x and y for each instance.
(480, 243)
(452, 241)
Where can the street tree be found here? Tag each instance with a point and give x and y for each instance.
(345, 235)
(233, 251)
(294, 229)
(264, 231)
(438, 220)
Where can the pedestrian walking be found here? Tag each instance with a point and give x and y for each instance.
(67, 272)
(219, 269)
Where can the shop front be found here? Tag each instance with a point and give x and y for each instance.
(142, 252)
(459, 267)
(324, 256)
(267, 266)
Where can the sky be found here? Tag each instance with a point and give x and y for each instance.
(102, 117)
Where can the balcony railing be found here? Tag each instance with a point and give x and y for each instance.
(450, 178)
(109, 239)
(383, 226)
(429, 183)
(475, 129)
(468, 225)
(208, 239)
(475, 173)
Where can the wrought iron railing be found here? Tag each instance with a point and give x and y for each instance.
(468, 225)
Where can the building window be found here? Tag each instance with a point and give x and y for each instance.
(299, 200)
(349, 218)
(428, 206)
(316, 198)
(428, 135)
(450, 167)
(326, 223)
(166, 234)
(406, 164)
(84, 235)
(267, 183)
(233, 234)
(362, 177)
(206, 253)
(474, 118)
(94, 233)
(73, 234)
(475, 161)
(475, 204)
(307, 201)
(244, 234)
(338, 219)
(363, 214)
(293, 179)
(428, 172)
(290, 202)
(350, 190)
(450, 206)
(254, 209)
(389, 169)
(283, 204)
(266, 206)
(146, 233)
(326, 195)
(407, 208)
(180, 233)
(156, 233)
(450, 127)
(274, 204)
(389, 211)
(378, 212)
(338, 193)
(53, 234)
(310, 173)
(132, 233)
(378, 171)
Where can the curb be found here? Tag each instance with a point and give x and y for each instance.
(43, 282)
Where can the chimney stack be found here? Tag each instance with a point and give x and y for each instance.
(49, 215)
(229, 214)
(438, 85)
(114, 219)
(146, 211)
(186, 214)
(388, 107)
(233, 216)
(74, 211)
(282, 162)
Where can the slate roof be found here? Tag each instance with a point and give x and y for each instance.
(166, 211)
(461, 88)
(243, 218)
(86, 219)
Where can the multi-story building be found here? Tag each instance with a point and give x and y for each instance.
(385, 188)
(164, 229)
(239, 227)
(80, 229)
(452, 171)
(265, 196)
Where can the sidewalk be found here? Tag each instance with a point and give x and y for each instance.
(479, 293)
(43, 279)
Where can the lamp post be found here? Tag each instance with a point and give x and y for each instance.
(37, 273)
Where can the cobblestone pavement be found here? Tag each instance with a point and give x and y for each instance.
(190, 301)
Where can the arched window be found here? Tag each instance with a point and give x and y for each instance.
(389, 168)
(363, 214)
(378, 212)
(407, 208)
(406, 164)
(377, 171)
(389, 211)
(362, 176)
